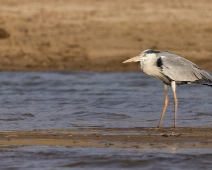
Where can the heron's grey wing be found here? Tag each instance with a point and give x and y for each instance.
(180, 69)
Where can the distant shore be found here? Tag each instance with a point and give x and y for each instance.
(92, 35)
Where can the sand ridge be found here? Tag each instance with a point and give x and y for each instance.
(110, 137)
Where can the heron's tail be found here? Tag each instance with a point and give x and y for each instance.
(205, 80)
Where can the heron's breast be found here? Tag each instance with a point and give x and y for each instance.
(150, 68)
(154, 71)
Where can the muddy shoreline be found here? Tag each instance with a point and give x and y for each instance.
(92, 35)
(110, 137)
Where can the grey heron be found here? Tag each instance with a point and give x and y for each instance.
(172, 70)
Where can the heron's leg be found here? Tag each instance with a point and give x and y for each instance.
(166, 101)
(173, 84)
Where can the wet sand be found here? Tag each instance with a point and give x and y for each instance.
(110, 137)
(92, 35)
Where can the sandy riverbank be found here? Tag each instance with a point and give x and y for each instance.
(95, 35)
(110, 137)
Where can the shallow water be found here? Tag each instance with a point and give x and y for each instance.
(37, 158)
(68, 100)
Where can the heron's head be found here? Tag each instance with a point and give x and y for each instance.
(144, 54)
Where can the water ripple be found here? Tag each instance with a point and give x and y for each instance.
(96, 99)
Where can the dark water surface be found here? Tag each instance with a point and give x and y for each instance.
(38, 158)
(68, 100)
(84, 99)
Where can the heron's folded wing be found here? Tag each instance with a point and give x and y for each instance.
(180, 69)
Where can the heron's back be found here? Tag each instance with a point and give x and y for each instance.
(182, 70)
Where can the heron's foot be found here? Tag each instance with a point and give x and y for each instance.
(159, 126)
(174, 128)
(172, 134)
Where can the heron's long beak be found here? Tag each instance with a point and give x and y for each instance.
(134, 59)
